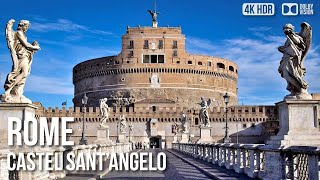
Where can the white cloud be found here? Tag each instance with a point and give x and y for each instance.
(258, 61)
(65, 25)
(49, 85)
(260, 28)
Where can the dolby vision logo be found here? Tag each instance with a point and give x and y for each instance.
(289, 9)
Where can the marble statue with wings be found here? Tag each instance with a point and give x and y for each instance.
(294, 53)
(204, 115)
(21, 54)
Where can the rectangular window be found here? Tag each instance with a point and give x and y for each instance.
(160, 58)
(175, 45)
(175, 53)
(153, 58)
(209, 63)
(146, 44)
(146, 58)
(160, 44)
(131, 45)
(244, 125)
(131, 54)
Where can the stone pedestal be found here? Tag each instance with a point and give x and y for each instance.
(103, 136)
(175, 139)
(298, 127)
(184, 138)
(122, 137)
(154, 24)
(298, 124)
(205, 135)
(20, 110)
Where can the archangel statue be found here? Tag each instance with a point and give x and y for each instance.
(184, 122)
(291, 65)
(154, 14)
(204, 115)
(21, 54)
(104, 111)
(123, 124)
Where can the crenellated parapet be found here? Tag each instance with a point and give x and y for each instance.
(173, 114)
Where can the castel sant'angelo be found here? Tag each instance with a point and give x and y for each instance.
(152, 81)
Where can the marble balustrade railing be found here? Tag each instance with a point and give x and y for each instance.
(297, 162)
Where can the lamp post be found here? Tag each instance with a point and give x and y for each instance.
(226, 138)
(130, 130)
(83, 140)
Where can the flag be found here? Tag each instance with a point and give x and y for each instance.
(64, 103)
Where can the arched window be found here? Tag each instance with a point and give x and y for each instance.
(231, 68)
(196, 121)
(221, 65)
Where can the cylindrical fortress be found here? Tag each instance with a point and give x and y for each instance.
(154, 69)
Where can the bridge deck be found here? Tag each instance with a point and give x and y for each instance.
(179, 166)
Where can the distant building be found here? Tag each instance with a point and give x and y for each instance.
(157, 80)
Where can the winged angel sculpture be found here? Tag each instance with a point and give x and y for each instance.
(104, 110)
(291, 66)
(21, 53)
(204, 115)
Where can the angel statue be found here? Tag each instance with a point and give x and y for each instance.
(291, 65)
(21, 55)
(104, 110)
(154, 14)
(204, 115)
(184, 122)
(123, 124)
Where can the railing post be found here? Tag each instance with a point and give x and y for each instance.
(274, 163)
(196, 152)
(313, 166)
(214, 152)
(240, 153)
(221, 155)
(210, 152)
(229, 162)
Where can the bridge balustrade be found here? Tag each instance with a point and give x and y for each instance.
(297, 162)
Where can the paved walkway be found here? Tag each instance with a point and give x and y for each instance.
(212, 170)
(176, 169)
(179, 166)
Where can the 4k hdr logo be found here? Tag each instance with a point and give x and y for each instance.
(268, 9)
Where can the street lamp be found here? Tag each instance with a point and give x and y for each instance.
(83, 140)
(190, 119)
(130, 130)
(226, 138)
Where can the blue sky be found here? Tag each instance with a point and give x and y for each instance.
(73, 31)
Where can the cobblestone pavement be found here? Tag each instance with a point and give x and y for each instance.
(176, 169)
